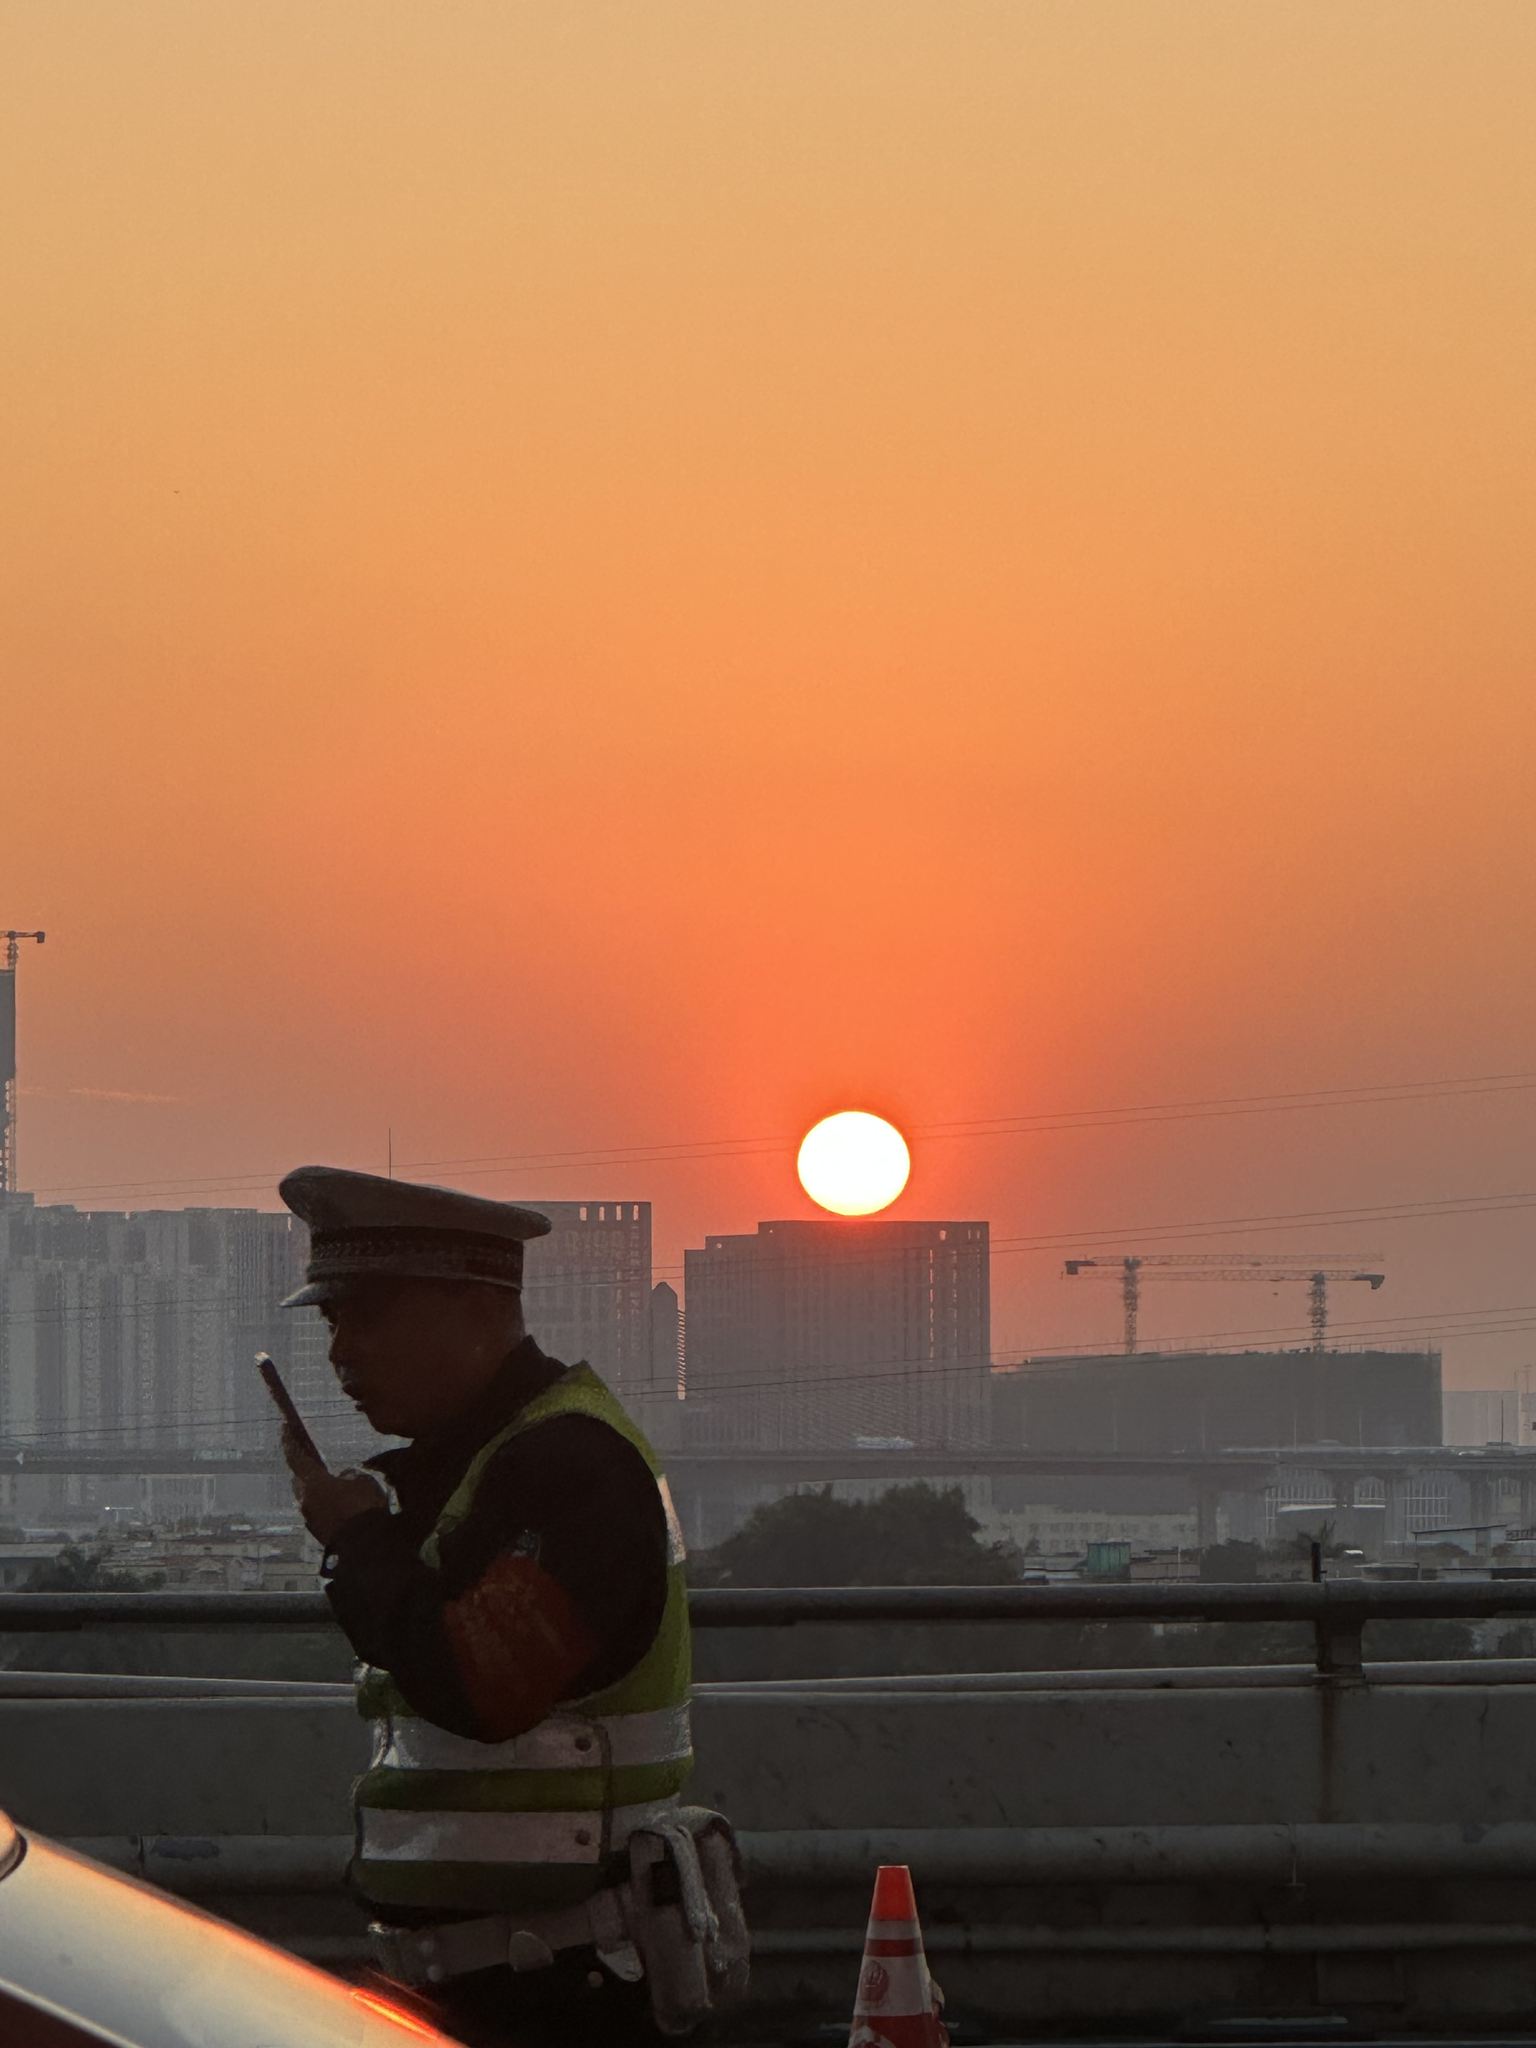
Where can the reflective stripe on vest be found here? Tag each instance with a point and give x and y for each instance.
(388, 1835)
(565, 1742)
(446, 1820)
(677, 1552)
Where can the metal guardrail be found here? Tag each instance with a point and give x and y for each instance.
(1369, 1600)
(114, 1686)
(785, 1606)
(1337, 1610)
(1288, 1855)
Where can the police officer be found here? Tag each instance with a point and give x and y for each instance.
(518, 1607)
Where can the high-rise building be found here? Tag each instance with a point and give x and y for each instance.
(7, 1078)
(10, 953)
(587, 1289)
(128, 1331)
(827, 1331)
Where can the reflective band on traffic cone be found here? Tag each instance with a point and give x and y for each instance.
(898, 2002)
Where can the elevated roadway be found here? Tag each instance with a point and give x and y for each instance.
(700, 1477)
(1232, 1468)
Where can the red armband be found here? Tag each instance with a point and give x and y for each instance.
(517, 1643)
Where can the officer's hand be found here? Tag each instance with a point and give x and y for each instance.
(328, 1500)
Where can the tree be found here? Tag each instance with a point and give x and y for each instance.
(75, 1570)
(911, 1535)
(926, 1536)
(1325, 1535)
(1296, 1548)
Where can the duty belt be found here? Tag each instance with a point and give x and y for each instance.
(530, 1941)
(675, 1922)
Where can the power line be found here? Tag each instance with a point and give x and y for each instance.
(166, 1429)
(1027, 1123)
(1470, 1323)
(1220, 1343)
(1014, 1123)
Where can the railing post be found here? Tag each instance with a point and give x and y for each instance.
(1339, 1633)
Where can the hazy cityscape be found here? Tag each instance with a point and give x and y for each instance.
(851, 1353)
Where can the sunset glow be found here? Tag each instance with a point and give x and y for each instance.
(854, 1163)
(577, 578)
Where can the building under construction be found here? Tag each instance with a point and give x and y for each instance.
(1208, 1400)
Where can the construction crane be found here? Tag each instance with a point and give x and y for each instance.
(13, 944)
(1127, 1274)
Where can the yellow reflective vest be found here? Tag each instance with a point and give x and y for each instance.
(446, 1821)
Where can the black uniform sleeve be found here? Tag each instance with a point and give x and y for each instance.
(551, 1588)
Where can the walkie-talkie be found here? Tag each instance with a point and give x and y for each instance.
(285, 1407)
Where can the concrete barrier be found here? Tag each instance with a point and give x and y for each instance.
(1083, 1857)
(803, 1760)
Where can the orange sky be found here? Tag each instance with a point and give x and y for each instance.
(581, 576)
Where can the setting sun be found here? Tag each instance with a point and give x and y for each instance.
(854, 1163)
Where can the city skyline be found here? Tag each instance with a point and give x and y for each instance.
(590, 1291)
(1227, 1320)
(129, 1335)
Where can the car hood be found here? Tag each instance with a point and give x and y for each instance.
(133, 1966)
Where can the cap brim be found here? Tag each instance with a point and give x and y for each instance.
(310, 1296)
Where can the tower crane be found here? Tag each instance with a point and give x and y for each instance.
(1127, 1274)
(13, 943)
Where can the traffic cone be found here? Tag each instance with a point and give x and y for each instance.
(898, 2005)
